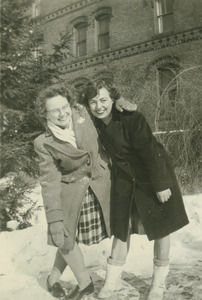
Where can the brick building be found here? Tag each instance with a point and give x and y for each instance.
(150, 48)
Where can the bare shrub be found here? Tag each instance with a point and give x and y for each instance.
(174, 114)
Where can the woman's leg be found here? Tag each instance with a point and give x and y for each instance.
(74, 259)
(162, 248)
(115, 264)
(120, 249)
(53, 285)
(58, 268)
(161, 268)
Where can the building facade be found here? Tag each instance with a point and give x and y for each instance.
(151, 49)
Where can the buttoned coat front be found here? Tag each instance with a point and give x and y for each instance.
(67, 172)
(141, 167)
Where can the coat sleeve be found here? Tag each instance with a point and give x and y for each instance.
(151, 152)
(50, 180)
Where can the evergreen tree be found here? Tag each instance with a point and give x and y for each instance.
(22, 76)
(16, 47)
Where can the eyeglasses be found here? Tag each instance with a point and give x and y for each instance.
(57, 111)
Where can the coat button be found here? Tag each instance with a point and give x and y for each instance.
(88, 162)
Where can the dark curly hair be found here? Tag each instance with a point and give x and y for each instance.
(90, 90)
(49, 92)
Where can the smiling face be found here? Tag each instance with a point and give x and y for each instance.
(58, 111)
(101, 105)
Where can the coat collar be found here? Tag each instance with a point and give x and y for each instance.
(48, 132)
(79, 124)
(78, 119)
(116, 119)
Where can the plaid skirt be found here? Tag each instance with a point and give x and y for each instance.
(91, 226)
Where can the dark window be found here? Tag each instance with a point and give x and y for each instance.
(81, 40)
(165, 17)
(167, 90)
(103, 32)
(167, 81)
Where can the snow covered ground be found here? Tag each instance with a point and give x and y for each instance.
(25, 261)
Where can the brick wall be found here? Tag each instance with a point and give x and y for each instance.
(133, 21)
(135, 47)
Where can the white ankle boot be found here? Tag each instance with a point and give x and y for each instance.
(158, 287)
(113, 278)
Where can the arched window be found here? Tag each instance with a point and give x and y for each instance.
(168, 81)
(103, 32)
(165, 16)
(81, 39)
(80, 25)
(79, 83)
(168, 90)
(103, 17)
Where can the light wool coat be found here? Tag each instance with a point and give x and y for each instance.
(67, 172)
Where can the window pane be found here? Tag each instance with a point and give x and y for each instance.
(81, 40)
(104, 25)
(167, 82)
(168, 93)
(160, 24)
(81, 33)
(164, 7)
(167, 23)
(168, 6)
(103, 41)
(81, 49)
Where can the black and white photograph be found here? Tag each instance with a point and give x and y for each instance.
(101, 150)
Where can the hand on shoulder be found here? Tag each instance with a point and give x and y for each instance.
(123, 104)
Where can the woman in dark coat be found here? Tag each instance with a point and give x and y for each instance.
(146, 196)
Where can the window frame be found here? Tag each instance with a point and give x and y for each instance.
(167, 103)
(81, 42)
(101, 36)
(160, 15)
(79, 22)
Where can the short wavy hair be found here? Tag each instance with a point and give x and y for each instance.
(91, 89)
(49, 92)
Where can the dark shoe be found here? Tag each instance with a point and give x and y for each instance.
(77, 294)
(56, 289)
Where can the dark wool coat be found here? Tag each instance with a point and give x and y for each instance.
(67, 172)
(141, 167)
